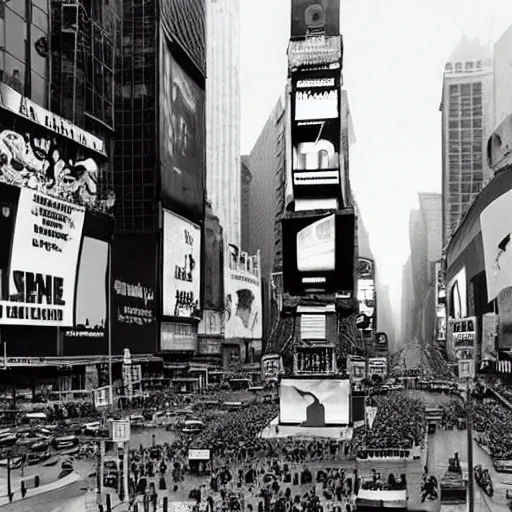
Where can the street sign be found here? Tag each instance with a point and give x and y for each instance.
(199, 455)
(120, 431)
(102, 397)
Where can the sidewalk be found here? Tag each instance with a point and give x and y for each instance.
(58, 484)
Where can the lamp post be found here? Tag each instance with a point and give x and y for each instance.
(469, 421)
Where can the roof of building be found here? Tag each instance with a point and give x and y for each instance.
(469, 49)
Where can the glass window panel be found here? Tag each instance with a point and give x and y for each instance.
(15, 34)
(39, 90)
(40, 18)
(14, 73)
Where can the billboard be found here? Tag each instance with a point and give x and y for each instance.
(356, 368)
(314, 402)
(318, 254)
(365, 268)
(462, 338)
(91, 291)
(377, 368)
(496, 224)
(489, 334)
(45, 152)
(458, 295)
(366, 300)
(133, 293)
(214, 261)
(182, 138)
(318, 99)
(505, 318)
(43, 262)
(181, 267)
(243, 304)
(271, 366)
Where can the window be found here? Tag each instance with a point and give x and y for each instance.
(458, 67)
(469, 66)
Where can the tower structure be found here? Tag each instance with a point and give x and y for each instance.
(319, 225)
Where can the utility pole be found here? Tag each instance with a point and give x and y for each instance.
(469, 419)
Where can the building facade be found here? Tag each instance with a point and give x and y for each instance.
(467, 121)
(503, 77)
(223, 115)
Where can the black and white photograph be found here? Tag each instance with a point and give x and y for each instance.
(255, 256)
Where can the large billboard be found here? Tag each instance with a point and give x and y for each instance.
(496, 224)
(462, 338)
(243, 304)
(366, 300)
(316, 135)
(181, 267)
(314, 402)
(133, 284)
(47, 153)
(43, 262)
(91, 291)
(182, 136)
(318, 254)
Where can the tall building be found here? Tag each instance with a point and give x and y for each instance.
(223, 114)
(503, 77)
(406, 327)
(467, 108)
(245, 197)
(266, 198)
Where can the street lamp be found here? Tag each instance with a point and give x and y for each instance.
(469, 421)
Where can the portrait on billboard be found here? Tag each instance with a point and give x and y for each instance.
(496, 223)
(91, 291)
(43, 262)
(243, 308)
(49, 154)
(181, 267)
(182, 136)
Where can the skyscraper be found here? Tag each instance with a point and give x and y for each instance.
(223, 115)
(467, 108)
(503, 76)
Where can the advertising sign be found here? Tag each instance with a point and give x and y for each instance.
(440, 283)
(45, 152)
(365, 269)
(91, 291)
(214, 262)
(199, 455)
(314, 402)
(366, 299)
(496, 222)
(377, 367)
(458, 295)
(489, 334)
(211, 324)
(271, 366)
(466, 368)
(462, 338)
(505, 318)
(133, 293)
(177, 337)
(356, 369)
(316, 255)
(310, 17)
(243, 313)
(91, 377)
(182, 136)
(44, 256)
(102, 397)
(181, 267)
(316, 103)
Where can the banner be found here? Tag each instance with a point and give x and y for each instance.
(181, 267)
(489, 333)
(496, 224)
(243, 308)
(371, 413)
(505, 318)
(133, 293)
(182, 136)
(45, 249)
(91, 291)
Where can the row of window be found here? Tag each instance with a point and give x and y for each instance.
(476, 122)
(466, 177)
(465, 188)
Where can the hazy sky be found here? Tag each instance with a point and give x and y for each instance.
(395, 52)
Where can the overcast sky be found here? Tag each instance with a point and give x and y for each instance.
(395, 52)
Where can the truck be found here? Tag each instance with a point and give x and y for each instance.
(454, 483)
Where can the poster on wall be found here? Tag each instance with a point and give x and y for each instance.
(44, 257)
(496, 222)
(505, 318)
(243, 311)
(182, 135)
(133, 293)
(91, 291)
(181, 267)
(366, 300)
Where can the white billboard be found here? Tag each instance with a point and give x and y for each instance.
(181, 266)
(314, 402)
(316, 246)
(458, 295)
(44, 260)
(312, 105)
(243, 313)
(496, 225)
